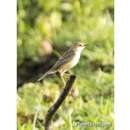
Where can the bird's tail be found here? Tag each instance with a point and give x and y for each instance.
(44, 75)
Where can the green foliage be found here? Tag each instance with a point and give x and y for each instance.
(63, 22)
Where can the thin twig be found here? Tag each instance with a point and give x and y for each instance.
(59, 101)
(34, 120)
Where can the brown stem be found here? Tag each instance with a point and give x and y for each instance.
(59, 101)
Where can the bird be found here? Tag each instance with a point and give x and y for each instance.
(66, 62)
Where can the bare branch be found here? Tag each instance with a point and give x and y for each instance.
(59, 101)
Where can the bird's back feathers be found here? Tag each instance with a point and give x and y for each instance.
(67, 56)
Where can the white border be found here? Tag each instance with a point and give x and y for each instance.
(122, 64)
(7, 65)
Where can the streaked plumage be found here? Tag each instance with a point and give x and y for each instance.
(69, 59)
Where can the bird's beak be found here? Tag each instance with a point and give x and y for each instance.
(84, 46)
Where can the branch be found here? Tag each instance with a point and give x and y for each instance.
(59, 101)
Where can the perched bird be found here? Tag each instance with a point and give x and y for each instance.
(69, 59)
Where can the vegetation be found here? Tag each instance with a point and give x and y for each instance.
(46, 28)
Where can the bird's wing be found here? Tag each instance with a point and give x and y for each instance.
(67, 56)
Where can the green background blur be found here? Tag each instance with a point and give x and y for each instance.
(46, 28)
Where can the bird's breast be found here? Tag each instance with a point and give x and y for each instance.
(76, 58)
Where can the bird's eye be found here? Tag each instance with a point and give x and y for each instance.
(80, 44)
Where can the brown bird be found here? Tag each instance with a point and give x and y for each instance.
(69, 59)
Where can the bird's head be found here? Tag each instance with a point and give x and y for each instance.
(78, 46)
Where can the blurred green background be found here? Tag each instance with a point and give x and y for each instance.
(46, 28)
